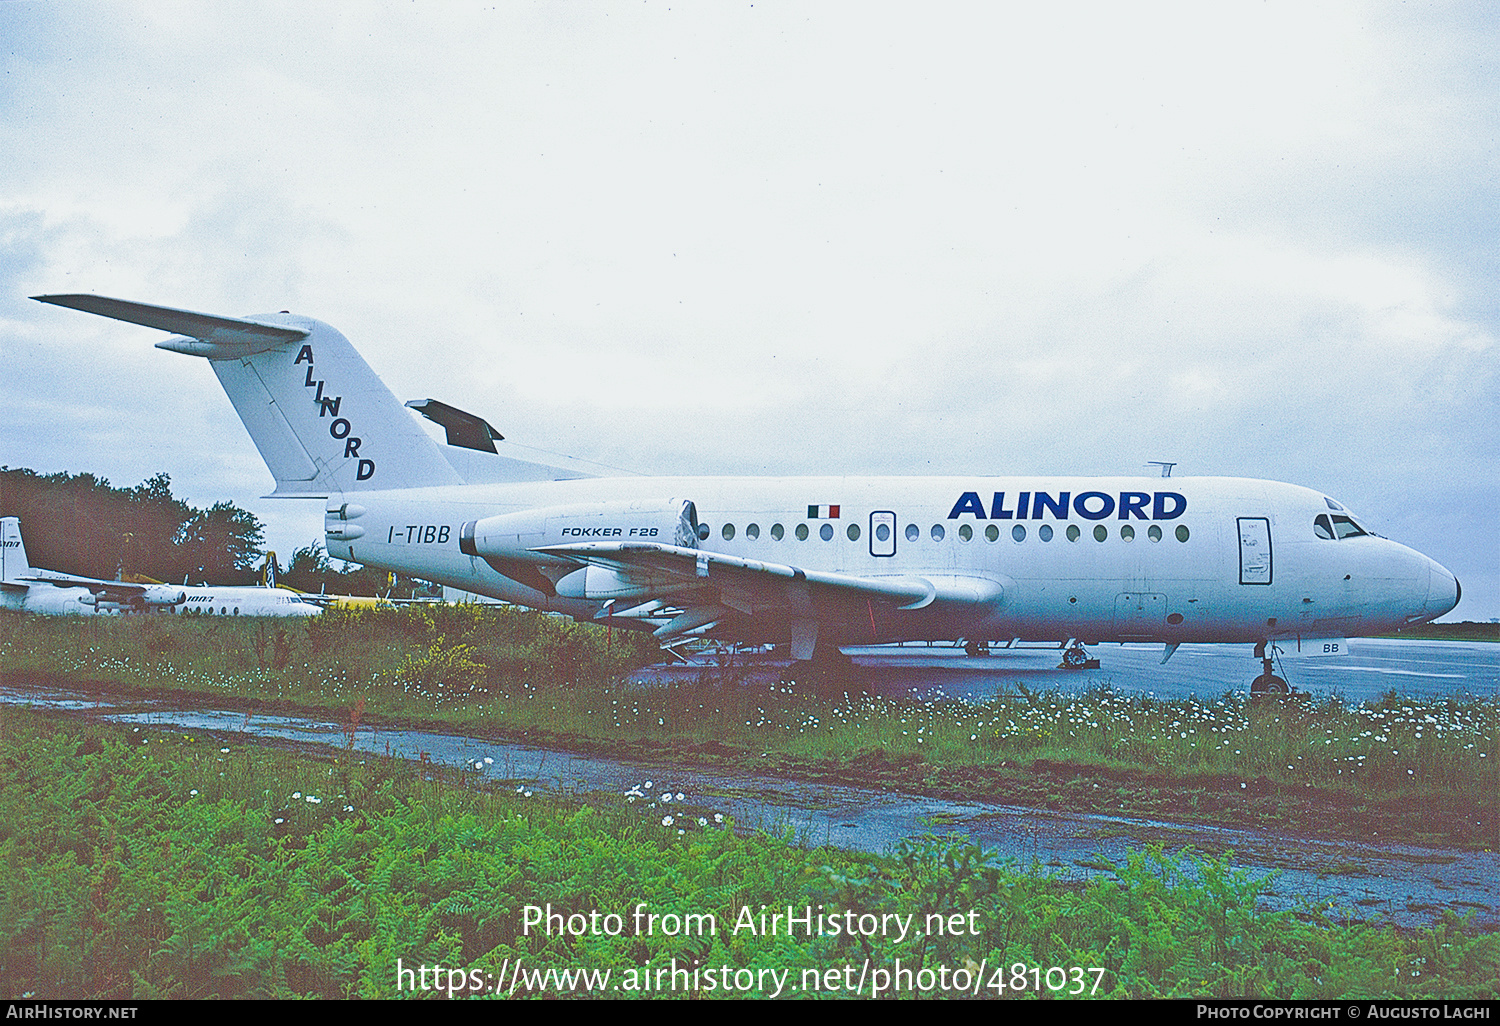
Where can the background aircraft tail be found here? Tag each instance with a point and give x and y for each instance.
(323, 421)
(13, 563)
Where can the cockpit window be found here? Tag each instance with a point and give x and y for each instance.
(1345, 527)
(1323, 527)
(1332, 504)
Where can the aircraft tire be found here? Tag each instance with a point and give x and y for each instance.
(1269, 684)
(1075, 658)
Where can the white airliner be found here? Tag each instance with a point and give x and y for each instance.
(816, 562)
(45, 591)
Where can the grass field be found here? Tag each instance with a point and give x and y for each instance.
(140, 863)
(1400, 768)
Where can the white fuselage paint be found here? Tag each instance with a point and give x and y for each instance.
(1112, 590)
(211, 601)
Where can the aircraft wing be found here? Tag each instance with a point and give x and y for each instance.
(119, 592)
(711, 581)
(94, 584)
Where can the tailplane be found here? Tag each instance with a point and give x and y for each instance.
(323, 421)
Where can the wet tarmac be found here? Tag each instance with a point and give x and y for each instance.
(1404, 884)
(1420, 669)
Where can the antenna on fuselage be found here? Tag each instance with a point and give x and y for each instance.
(1166, 468)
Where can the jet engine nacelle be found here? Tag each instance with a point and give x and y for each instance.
(516, 535)
(508, 541)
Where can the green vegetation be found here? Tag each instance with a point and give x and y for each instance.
(1399, 768)
(78, 524)
(1468, 630)
(138, 863)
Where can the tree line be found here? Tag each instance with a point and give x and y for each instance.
(80, 524)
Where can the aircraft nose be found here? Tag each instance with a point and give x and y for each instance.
(1443, 590)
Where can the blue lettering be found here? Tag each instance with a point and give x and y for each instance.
(968, 502)
(305, 353)
(1159, 509)
(309, 383)
(1058, 506)
(1088, 505)
(1081, 507)
(366, 470)
(339, 428)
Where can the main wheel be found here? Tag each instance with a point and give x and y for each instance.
(1075, 658)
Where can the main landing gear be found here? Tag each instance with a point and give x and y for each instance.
(1267, 683)
(827, 666)
(1076, 657)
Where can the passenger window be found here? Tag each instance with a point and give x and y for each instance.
(913, 532)
(703, 532)
(1182, 532)
(1127, 533)
(1154, 533)
(1100, 532)
(1073, 532)
(802, 532)
(826, 532)
(966, 533)
(728, 532)
(938, 532)
(991, 533)
(752, 531)
(882, 532)
(1018, 533)
(853, 532)
(777, 532)
(1044, 532)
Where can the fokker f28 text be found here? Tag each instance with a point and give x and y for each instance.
(813, 563)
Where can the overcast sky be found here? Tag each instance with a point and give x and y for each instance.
(1257, 239)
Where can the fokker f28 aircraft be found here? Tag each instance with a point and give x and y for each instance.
(33, 590)
(815, 562)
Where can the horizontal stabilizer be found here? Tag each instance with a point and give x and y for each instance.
(230, 333)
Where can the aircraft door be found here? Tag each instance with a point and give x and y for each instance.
(883, 533)
(1255, 550)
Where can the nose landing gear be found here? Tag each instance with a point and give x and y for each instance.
(1267, 683)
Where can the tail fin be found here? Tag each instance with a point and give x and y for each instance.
(13, 564)
(323, 422)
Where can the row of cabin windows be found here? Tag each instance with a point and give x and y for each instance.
(204, 610)
(965, 532)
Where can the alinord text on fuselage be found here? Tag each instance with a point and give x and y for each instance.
(1088, 505)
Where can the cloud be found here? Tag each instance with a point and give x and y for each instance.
(1251, 238)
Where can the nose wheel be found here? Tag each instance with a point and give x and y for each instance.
(1267, 683)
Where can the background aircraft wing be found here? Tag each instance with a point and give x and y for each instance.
(94, 584)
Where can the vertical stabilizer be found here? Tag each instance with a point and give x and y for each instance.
(323, 422)
(13, 564)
